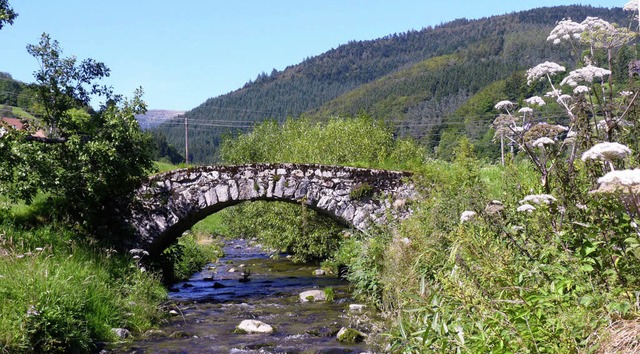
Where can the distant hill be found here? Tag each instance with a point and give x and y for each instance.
(419, 81)
(155, 117)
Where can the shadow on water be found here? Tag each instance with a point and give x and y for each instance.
(247, 284)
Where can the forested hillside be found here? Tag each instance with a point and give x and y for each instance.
(417, 80)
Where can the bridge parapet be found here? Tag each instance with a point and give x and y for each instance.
(171, 203)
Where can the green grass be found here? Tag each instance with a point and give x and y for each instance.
(61, 294)
(18, 112)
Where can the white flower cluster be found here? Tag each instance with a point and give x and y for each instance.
(596, 23)
(553, 93)
(538, 199)
(543, 70)
(580, 89)
(504, 105)
(2, 132)
(526, 208)
(631, 6)
(565, 30)
(619, 180)
(586, 74)
(626, 93)
(541, 142)
(606, 151)
(535, 100)
(525, 110)
(467, 215)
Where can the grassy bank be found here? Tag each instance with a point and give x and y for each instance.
(61, 291)
(64, 295)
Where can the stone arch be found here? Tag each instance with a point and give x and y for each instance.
(170, 203)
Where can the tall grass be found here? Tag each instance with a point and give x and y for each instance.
(61, 295)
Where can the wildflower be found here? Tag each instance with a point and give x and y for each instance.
(596, 23)
(565, 30)
(517, 228)
(32, 311)
(586, 74)
(602, 34)
(571, 137)
(542, 71)
(494, 207)
(565, 98)
(525, 110)
(626, 93)
(541, 142)
(580, 89)
(631, 6)
(506, 105)
(619, 180)
(538, 199)
(138, 252)
(535, 100)
(526, 208)
(553, 93)
(606, 151)
(467, 215)
(2, 132)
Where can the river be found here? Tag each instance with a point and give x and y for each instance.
(209, 306)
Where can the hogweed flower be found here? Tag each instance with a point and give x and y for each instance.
(542, 71)
(538, 199)
(504, 105)
(525, 110)
(626, 93)
(586, 74)
(535, 100)
(580, 89)
(554, 93)
(606, 151)
(526, 208)
(621, 180)
(631, 6)
(541, 142)
(467, 215)
(565, 30)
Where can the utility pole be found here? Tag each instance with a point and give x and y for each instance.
(186, 140)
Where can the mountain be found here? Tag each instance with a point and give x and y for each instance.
(155, 117)
(419, 81)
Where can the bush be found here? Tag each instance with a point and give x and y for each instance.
(187, 256)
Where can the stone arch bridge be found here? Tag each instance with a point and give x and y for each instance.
(170, 203)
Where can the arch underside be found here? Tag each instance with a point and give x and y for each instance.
(173, 232)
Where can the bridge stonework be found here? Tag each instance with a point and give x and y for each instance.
(170, 203)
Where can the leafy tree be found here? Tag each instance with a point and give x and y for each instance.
(7, 15)
(90, 160)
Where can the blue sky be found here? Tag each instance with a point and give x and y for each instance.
(183, 52)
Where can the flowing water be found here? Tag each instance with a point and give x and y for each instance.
(214, 301)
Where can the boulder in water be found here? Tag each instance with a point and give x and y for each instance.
(313, 295)
(350, 335)
(253, 326)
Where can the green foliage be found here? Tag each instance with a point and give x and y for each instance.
(61, 296)
(329, 293)
(363, 190)
(7, 15)
(360, 140)
(91, 160)
(187, 256)
(356, 141)
(287, 227)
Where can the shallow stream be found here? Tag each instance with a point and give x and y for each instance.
(214, 301)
